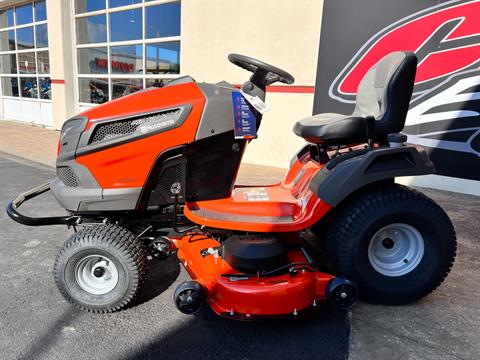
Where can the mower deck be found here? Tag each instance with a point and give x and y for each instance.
(245, 296)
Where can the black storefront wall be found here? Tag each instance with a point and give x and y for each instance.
(444, 114)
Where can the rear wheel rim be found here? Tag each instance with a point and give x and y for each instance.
(396, 249)
(96, 274)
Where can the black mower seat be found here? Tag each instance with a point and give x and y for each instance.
(332, 128)
(383, 93)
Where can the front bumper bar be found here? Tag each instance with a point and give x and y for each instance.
(12, 210)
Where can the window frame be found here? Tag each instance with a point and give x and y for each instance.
(19, 75)
(143, 5)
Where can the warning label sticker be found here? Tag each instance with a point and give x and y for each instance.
(256, 194)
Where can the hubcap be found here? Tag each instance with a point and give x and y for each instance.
(396, 249)
(96, 274)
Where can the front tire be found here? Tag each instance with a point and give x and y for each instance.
(396, 244)
(101, 268)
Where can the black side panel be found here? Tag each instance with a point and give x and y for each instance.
(333, 184)
(154, 193)
(212, 166)
(172, 171)
(206, 169)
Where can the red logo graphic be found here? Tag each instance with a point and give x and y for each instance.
(445, 38)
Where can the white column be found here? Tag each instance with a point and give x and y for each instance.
(59, 18)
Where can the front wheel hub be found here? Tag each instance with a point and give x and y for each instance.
(96, 274)
(99, 272)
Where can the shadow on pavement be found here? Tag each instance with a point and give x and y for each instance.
(161, 275)
(49, 337)
(208, 336)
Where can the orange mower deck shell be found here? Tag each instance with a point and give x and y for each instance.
(284, 207)
(128, 165)
(284, 294)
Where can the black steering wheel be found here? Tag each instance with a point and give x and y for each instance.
(263, 73)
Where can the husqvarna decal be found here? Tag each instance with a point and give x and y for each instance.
(444, 113)
(244, 120)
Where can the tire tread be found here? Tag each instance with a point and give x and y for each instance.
(112, 235)
(349, 217)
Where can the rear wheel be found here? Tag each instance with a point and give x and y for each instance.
(394, 242)
(101, 268)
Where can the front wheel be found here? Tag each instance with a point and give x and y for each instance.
(101, 268)
(394, 242)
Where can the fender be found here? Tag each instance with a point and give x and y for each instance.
(338, 179)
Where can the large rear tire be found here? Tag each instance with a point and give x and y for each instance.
(397, 244)
(101, 268)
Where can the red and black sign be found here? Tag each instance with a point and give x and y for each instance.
(116, 65)
(444, 112)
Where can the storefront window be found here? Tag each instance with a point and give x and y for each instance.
(45, 88)
(93, 91)
(163, 58)
(7, 40)
(41, 35)
(126, 59)
(82, 6)
(117, 3)
(92, 29)
(8, 64)
(43, 62)
(126, 43)
(28, 87)
(10, 86)
(24, 14)
(126, 25)
(156, 83)
(26, 63)
(163, 20)
(6, 18)
(122, 87)
(40, 11)
(25, 38)
(92, 60)
(24, 51)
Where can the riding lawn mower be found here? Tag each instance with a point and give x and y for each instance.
(152, 174)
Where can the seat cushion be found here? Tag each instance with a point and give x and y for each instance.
(332, 129)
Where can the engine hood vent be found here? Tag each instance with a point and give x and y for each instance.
(136, 125)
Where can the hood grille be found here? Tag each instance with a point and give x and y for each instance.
(137, 125)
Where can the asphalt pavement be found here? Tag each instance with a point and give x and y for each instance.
(37, 323)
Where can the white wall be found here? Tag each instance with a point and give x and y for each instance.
(284, 33)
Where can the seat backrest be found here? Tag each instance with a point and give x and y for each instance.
(385, 92)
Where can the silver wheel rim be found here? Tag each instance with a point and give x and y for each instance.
(396, 249)
(96, 274)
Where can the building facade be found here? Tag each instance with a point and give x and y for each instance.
(58, 58)
(61, 57)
